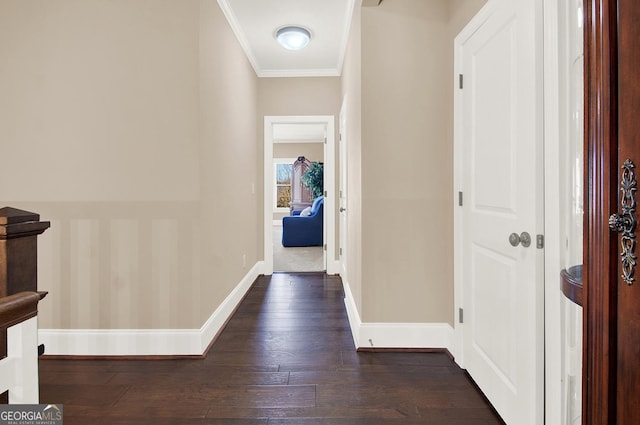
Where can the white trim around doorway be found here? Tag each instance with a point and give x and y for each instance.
(332, 266)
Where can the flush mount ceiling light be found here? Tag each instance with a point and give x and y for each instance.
(293, 37)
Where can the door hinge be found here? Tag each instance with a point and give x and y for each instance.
(460, 81)
(340, 251)
(460, 315)
(325, 193)
(459, 198)
(540, 241)
(324, 247)
(325, 140)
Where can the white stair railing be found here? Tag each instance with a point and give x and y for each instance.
(19, 370)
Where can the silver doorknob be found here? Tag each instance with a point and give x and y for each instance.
(523, 238)
(342, 209)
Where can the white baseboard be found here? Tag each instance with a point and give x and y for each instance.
(220, 316)
(159, 342)
(352, 313)
(119, 342)
(333, 266)
(396, 335)
(406, 335)
(146, 342)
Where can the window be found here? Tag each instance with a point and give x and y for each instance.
(282, 184)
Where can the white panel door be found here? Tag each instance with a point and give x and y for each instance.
(498, 135)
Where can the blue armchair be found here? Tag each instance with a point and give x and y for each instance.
(300, 230)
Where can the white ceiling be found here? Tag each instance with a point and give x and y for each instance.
(255, 22)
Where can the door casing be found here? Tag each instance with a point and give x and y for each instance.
(332, 265)
(342, 190)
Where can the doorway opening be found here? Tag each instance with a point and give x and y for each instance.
(298, 236)
(288, 139)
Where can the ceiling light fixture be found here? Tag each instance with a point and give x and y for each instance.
(293, 37)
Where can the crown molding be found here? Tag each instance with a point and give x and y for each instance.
(237, 30)
(275, 73)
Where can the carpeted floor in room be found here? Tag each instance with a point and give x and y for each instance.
(295, 259)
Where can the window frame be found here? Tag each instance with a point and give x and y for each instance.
(275, 185)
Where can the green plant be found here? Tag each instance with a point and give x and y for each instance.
(313, 178)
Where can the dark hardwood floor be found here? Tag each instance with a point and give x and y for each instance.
(285, 357)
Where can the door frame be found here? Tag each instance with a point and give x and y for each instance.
(343, 257)
(553, 146)
(329, 186)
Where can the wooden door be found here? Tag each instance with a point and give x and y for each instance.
(628, 323)
(612, 291)
(499, 136)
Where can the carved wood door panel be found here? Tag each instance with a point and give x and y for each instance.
(612, 297)
(300, 194)
(628, 287)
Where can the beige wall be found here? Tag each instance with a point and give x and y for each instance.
(228, 154)
(406, 218)
(123, 123)
(461, 12)
(114, 125)
(298, 96)
(311, 151)
(116, 92)
(406, 158)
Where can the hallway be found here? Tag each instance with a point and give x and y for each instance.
(285, 357)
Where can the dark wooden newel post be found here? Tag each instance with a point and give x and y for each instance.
(19, 250)
(18, 257)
